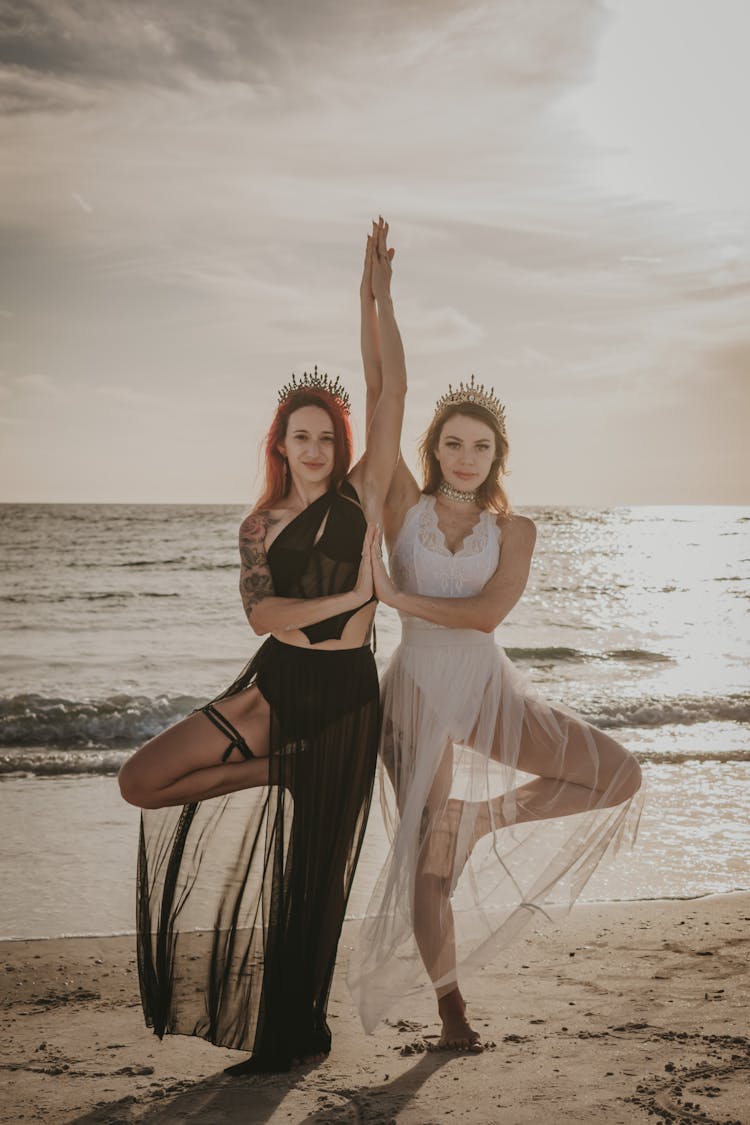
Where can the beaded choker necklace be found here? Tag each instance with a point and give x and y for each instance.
(451, 493)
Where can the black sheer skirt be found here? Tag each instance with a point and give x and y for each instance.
(241, 898)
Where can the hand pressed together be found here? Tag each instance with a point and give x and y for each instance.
(385, 591)
(376, 275)
(364, 588)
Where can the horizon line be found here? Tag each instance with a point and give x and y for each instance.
(239, 503)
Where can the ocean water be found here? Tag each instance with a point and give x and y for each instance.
(117, 620)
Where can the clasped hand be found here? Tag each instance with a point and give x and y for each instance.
(376, 275)
(383, 586)
(373, 578)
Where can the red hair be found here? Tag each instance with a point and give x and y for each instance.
(278, 480)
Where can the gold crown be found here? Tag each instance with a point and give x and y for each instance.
(475, 393)
(316, 382)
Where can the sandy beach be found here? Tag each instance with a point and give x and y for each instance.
(625, 1013)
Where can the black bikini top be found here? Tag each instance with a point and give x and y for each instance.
(302, 567)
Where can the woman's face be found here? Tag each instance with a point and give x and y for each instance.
(309, 444)
(465, 452)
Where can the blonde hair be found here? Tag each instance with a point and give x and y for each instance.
(490, 493)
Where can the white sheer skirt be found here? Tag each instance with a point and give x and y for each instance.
(497, 805)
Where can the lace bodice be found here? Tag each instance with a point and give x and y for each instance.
(422, 564)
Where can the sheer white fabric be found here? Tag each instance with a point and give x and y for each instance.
(476, 852)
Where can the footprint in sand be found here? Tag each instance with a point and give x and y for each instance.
(713, 1092)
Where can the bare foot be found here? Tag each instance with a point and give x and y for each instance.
(457, 1034)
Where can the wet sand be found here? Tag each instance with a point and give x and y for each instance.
(626, 1013)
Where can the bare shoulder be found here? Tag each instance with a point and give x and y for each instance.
(403, 494)
(255, 525)
(404, 490)
(391, 506)
(518, 530)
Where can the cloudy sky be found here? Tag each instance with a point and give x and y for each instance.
(186, 189)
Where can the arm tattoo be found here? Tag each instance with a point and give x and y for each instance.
(255, 576)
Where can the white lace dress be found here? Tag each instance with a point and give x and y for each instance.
(461, 879)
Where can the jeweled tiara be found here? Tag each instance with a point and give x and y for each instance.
(316, 382)
(477, 394)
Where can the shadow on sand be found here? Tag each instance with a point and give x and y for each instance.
(308, 1097)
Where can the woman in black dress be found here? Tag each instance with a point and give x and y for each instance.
(255, 806)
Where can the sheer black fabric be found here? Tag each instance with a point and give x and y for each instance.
(319, 553)
(241, 898)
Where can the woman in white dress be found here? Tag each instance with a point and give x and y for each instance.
(498, 805)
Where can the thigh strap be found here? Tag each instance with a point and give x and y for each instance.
(236, 741)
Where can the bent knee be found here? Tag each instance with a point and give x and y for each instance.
(635, 776)
(627, 778)
(132, 789)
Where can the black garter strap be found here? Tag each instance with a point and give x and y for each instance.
(236, 741)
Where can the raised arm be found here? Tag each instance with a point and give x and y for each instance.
(483, 611)
(270, 614)
(375, 471)
(369, 332)
(403, 490)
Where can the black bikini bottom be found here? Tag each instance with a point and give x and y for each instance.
(307, 689)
